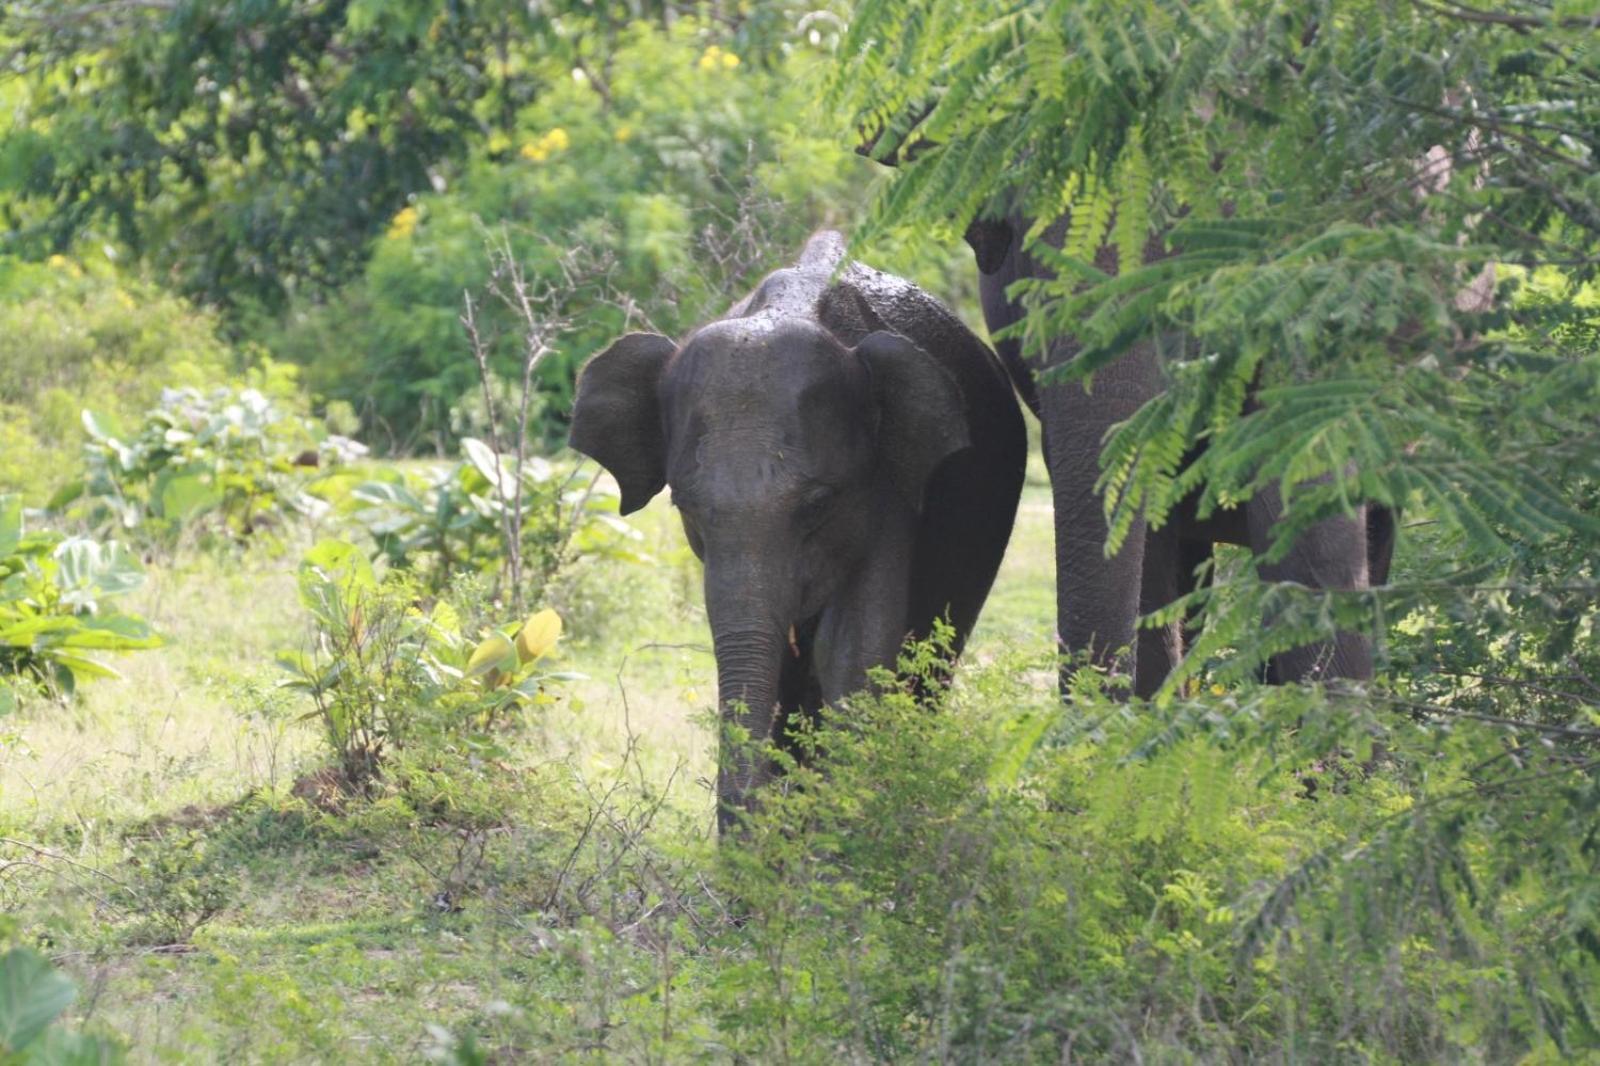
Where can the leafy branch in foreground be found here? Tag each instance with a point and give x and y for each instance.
(1366, 235)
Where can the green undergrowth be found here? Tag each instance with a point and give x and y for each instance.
(1285, 874)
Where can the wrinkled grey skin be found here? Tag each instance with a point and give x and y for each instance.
(1099, 599)
(846, 458)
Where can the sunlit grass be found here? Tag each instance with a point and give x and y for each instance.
(336, 940)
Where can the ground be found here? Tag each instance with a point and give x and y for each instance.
(212, 911)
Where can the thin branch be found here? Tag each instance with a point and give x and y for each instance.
(1519, 23)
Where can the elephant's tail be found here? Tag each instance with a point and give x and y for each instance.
(1020, 373)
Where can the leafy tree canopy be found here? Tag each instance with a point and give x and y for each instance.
(1385, 214)
(251, 149)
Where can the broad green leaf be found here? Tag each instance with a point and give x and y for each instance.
(80, 668)
(113, 633)
(488, 464)
(72, 490)
(32, 994)
(96, 427)
(26, 632)
(184, 496)
(333, 572)
(90, 570)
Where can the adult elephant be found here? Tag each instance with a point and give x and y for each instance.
(1099, 598)
(846, 458)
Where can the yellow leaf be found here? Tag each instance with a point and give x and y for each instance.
(493, 659)
(539, 634)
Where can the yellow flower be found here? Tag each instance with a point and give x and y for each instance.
(403, 224)
(57, 262)
(548, 144)
(715, 58)
(623, 134)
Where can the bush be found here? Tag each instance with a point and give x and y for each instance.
(73, 338)
(384, 674)
(54, 593)
(1223, 878)
(452, 520)
(651, 198)
(228, 462)
(176, 886)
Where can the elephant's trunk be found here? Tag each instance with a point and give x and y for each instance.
(749, 661)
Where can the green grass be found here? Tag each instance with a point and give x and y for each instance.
(344, 935)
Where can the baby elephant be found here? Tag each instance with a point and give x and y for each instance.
(846, 457)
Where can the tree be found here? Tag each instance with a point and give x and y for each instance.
(251, 149)
(1389, 235)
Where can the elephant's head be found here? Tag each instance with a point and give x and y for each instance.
(790, 459)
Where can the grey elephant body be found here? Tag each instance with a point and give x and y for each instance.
(1098, 598)
(846, 457)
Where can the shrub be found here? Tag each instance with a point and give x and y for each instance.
(175, 886)
(72, 337)
(453, 520)
(384, 674)
(228, 461)
(54, 592)
(1228, 877)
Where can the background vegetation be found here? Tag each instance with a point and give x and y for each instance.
(408, 755)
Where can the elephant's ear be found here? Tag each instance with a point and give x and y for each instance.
(616, 418)
(922, 412)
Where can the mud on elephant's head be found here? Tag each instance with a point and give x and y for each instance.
(786, 452)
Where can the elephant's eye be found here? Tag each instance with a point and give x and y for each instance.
(813, 510)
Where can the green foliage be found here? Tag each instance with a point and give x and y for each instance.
(74, 336)
(1380, 219)
(176, 885)
(452, 520)
(230, 461)
(54, 605)
(252, 150)
(1220, 877)
(385, 674)
(644, 188)
(33, 994)
(288, 132)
